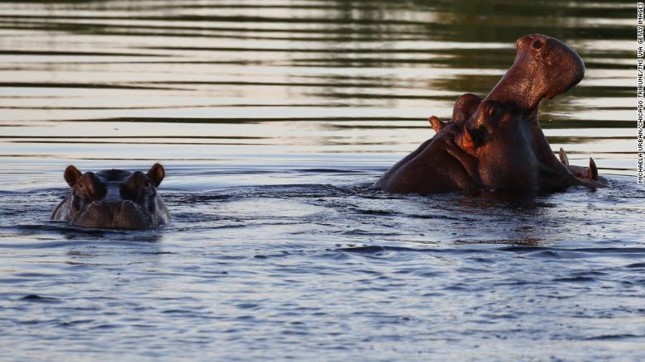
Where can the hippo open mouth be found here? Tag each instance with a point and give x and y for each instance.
(113, 199)
(496, 143)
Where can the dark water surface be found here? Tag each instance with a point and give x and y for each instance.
(273, 119)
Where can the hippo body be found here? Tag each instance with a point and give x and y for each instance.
(113, 199)
(438, 165)
(496, 143)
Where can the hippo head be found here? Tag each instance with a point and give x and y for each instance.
(113, 199)
(543, 68)
(464, 107)
(498, 138)
(498, 143)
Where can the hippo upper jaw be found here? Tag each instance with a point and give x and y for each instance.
(543, 68)
(125, 215)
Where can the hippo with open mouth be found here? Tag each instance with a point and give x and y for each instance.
(496, 143)
(113, 199)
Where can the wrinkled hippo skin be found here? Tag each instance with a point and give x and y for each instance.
(496, 143)
(113, 199)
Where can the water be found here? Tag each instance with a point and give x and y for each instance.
(273, 119)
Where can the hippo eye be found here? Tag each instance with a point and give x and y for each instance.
(147, 188)
(537, 44)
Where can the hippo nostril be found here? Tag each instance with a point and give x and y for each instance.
(537, 44)
(126, 205)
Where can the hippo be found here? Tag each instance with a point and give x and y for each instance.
(496, 142)
(113, 199)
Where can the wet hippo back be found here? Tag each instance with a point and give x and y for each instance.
(113, 199)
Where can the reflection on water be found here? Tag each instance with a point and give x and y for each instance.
(272, 119)
(290, 76)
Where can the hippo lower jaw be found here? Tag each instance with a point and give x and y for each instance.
(125, 215)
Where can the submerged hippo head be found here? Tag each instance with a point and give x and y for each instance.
(113, 199)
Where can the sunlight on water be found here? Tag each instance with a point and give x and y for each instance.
(213, 63)
(273, 119)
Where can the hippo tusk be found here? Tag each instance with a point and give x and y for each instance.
(592, 172)
(563, 157)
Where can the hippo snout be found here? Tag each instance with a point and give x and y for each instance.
(114, 215)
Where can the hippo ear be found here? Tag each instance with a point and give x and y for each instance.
(436, 123)
(156, 173)
(592, 172)
(563, 157)
(72, 174)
